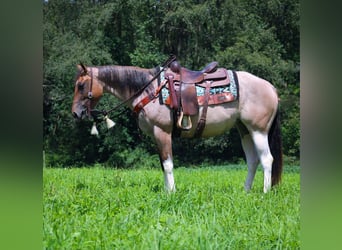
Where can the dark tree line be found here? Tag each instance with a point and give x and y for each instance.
(261, 37)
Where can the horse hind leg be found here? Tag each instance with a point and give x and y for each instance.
(260, 140)
(250, 153)
(251, 159)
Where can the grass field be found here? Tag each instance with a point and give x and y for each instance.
(98, 208)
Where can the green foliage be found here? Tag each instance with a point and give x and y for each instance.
(289, 106)
(261, 37)
(133, 159)
(214, 150)
(98, 208)
(146, 53)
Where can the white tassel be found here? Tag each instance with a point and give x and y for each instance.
(109, 122)
(94, 130)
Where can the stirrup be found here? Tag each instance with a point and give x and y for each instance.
(184, 122)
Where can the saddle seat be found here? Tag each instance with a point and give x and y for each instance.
(191, 76)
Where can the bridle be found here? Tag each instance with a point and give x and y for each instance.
(90, 94)
(98, 115)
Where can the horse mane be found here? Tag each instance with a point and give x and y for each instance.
(125, 76)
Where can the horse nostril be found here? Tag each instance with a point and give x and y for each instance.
(75, 115)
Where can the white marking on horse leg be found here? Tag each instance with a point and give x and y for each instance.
(265, 157)
(168, 174)
(251, 159)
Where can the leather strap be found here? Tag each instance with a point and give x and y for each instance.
(142, 104)
(148, 98)
(201, 123)
(90, 93)
(174, 104)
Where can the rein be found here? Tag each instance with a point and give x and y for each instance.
(96, 113)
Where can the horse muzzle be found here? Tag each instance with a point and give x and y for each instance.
(79, 113)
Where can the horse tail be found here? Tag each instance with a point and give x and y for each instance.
(275, 143)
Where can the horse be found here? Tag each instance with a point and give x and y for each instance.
(255, 114)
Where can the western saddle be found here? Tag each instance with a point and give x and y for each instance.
(183, 98)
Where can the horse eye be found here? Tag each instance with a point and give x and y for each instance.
(80, 85)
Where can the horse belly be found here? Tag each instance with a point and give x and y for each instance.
(219, 120)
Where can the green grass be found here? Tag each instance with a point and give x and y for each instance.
(98, 208)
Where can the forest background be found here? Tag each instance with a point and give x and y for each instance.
(261, 37)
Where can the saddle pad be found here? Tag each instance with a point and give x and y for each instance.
(219, 94)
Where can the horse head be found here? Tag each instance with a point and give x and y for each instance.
(87, 93)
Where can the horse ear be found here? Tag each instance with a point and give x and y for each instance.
(82, 67)
(79, 67)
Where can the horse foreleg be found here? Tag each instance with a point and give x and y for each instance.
(164, 143)
(168, 175)
(265, 156)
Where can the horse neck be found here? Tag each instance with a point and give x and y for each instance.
(123, 81)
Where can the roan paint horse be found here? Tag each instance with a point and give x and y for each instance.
(188, 107)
